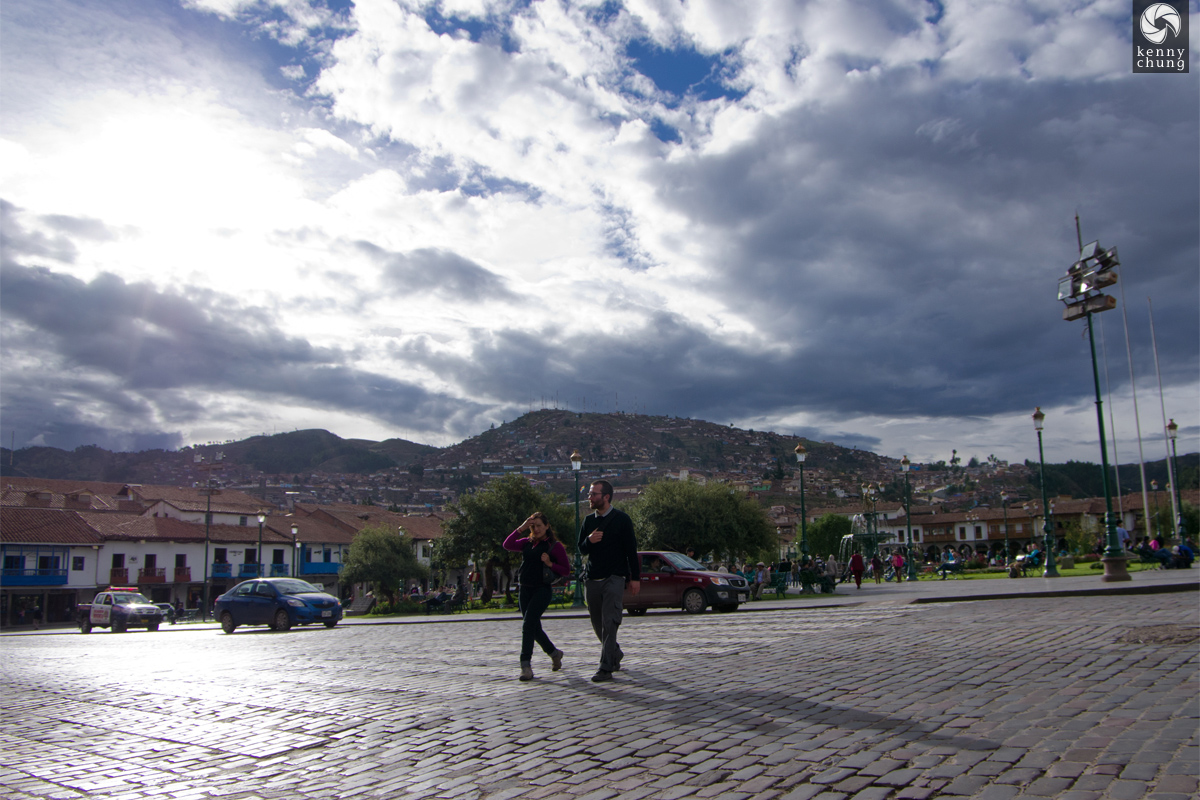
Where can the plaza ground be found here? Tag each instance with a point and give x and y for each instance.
(990, 689)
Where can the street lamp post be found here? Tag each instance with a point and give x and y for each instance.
(209, 490)
(1004, 505)
(262, 517)
(1051, 571)
(1157, 523)
(802, 454)
(905, 464)
(1079, 289)
(576, 465)
(295, 549)
(1173, 434)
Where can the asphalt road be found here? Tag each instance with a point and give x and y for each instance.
(867, 696)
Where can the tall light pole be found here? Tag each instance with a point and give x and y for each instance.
(1051, 571)
(1079, 289)
(209, 490)
(802, 454)
(905, 464)
(1173, 434)
(262, 517)
(295, 549)
(576, 466)
(1157, 523)
(1004, 505)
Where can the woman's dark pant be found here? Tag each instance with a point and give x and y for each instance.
(533, 602)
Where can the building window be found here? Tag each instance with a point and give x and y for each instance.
(962, 534)
(242, 521)
(118, 561)
(219, 555)
(77, 563)
(14, 562)
(180, 560)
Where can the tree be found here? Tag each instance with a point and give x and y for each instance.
(484, 518)
(384, 559)
(825, 535)
(676, 515)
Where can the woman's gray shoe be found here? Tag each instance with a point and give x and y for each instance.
(526, 671)
(556, 660)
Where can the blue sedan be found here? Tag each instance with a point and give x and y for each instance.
(278, 603)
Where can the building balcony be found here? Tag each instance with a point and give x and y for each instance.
(280, 570)
(249, 570)
(320, 568)
(152, 575)
(118, 576)
(33, 577)
(183, 574)
(222, 570)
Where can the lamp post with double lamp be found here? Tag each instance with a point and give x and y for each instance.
(802, 454)
(1051, 571)
(1080, 291)
(262, 517)
(1173, 434)
(576, 466)
(905, 464)
(295, 549)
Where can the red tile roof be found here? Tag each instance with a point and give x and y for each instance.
(45, 526)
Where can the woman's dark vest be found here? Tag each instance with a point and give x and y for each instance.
(531, 565)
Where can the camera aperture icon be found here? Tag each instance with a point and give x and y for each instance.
(1156, 15)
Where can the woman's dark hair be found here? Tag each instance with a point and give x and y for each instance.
(550, 536)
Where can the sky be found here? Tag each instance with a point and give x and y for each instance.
(391, 218)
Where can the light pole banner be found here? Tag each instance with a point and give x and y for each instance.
(1160, 36)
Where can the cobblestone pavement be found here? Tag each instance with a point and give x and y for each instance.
(1075, 697)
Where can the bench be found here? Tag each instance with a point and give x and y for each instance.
(954, 568)
(779, 582)
(812, 583)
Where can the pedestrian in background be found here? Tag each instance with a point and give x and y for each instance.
(877, 568)
(540, 548)
(898, 566)
(857, 567)
(607, 539)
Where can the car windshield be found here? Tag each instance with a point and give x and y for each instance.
(123, 598)
(680, 561)
(293, 586)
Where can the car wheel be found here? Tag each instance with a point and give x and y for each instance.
(727, 608)
(85, 626)
(636, 612)
(693, 601)
(227, 622)
(153, 626)
(330, 623)
(118, 627)
(282, 621)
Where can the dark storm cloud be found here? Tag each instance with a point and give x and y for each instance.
(910, 250)
(132, 354)
(436, 271)
(16, 240)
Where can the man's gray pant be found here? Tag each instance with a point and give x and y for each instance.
(604, 607)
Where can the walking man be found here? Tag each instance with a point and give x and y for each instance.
(607, 539)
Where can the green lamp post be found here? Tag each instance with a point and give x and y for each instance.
(262, 517)
(801, 454)
(576, 465)
(1048, 542)
(1173, 434)
(905, 464)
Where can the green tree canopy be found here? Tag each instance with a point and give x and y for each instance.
(484, 518)
(712, 519)
(384, 559)
(825, 535)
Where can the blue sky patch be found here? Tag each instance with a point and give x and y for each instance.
(680, 71)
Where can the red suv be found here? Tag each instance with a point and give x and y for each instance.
(672, 580)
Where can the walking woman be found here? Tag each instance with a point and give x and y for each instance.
(540, 548)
